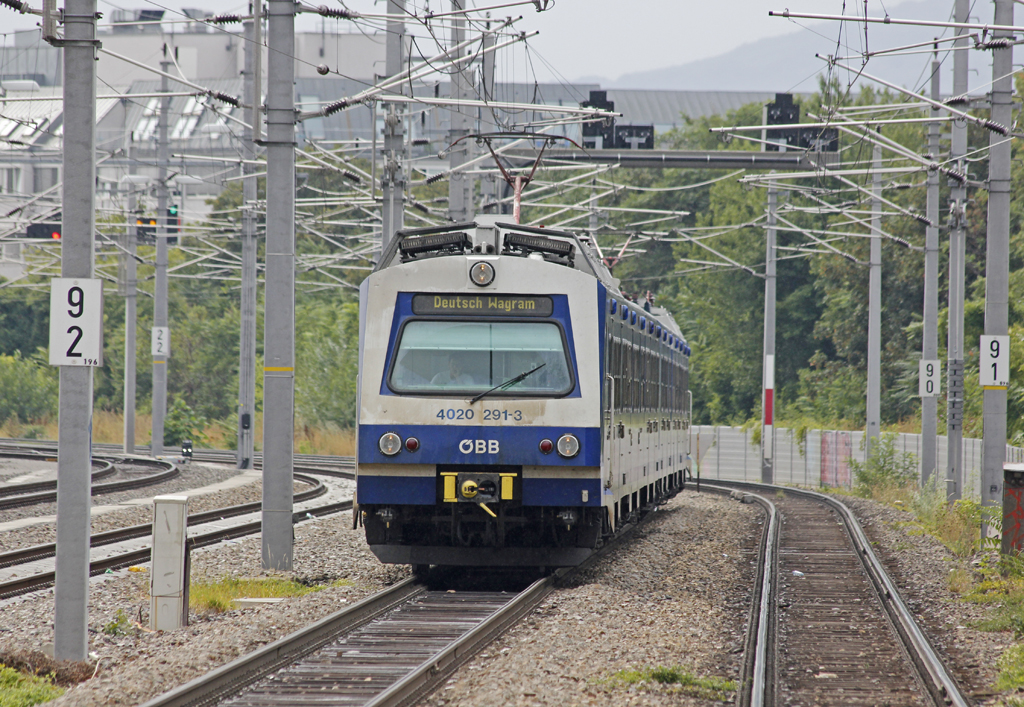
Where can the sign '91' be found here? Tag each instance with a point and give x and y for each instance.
(76, 322)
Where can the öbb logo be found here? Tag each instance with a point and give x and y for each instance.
(478, 446)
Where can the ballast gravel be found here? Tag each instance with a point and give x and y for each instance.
(674, 594)
(191, 476)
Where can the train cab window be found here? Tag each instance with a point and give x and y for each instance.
(456, 358)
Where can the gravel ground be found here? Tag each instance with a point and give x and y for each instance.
(676, 593)
(137, 515)
(140, 665)
(192, 476)
(671, 606)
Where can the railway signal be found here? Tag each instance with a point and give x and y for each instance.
(50, 231)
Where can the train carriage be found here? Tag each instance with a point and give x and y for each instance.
(514, 407)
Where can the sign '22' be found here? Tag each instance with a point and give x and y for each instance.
(76, 322)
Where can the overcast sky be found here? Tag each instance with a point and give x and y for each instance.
(585, 38)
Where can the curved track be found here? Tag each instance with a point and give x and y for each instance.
(31, 583)
(104, 468)
(828, 626)
(19, 495)
(339, 467)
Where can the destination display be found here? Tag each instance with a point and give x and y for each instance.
(484, 305)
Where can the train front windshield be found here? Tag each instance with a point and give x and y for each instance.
(453, 357)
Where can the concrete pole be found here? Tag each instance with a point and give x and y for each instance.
(247, 305)
(458, 203)
(74, 435)
(768, 372)
(957, 240)
(392, 179)
(160, 289)
(997, 259)
(279, 293)
(489, 186)
(930, 333)
(874, 402)
(130, 301)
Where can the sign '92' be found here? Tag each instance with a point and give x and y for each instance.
(76, 322)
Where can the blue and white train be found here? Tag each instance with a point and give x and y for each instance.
(514, 407)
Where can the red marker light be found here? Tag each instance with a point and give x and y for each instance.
(412, 444)
(55, 235)
(546, 445)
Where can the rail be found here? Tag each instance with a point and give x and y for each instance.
(937, 681)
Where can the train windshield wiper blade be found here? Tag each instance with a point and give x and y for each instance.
(509, 383)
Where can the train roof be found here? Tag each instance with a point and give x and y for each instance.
(490, 234)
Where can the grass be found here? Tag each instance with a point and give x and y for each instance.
(120, 626)
(219, 596)
(108, 427)
(20, 690)
(683, 681)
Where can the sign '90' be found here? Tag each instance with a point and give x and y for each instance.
(76, 322)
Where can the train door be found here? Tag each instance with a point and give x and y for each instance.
(612, 369)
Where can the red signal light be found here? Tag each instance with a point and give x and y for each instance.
(546, 446)
(55, 235)
(412, 444)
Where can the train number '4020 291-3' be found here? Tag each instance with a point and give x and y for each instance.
(489, 415)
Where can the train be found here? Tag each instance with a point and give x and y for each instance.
(515, 409)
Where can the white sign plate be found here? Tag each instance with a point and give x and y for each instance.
(76, 322)
(995, 361)
(161, 341)
(929, 378)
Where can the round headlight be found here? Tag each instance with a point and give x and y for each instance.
(481, 274)
(390, 444)
(568, 446)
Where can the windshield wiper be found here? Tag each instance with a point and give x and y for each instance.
(509, 383)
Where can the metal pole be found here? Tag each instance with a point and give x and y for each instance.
(457, 182)
(392, 179)
(875, 307)
(957, 240)
(130, 301)
(997, 261)
(279, 320)
(247, 306)
(74, 435)
(768, 372)
(160, 289)
(930, 334)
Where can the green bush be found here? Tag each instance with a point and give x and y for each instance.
(885, 468)
(20, 690)
(182, 422)
(29, 389)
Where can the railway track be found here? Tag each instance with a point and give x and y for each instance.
(103, 469)
(20, 495)
(39, 552)
(41, 580)
(324, 466)
(30, 494)
(390, 649)
(216, 456)
(828, 626)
